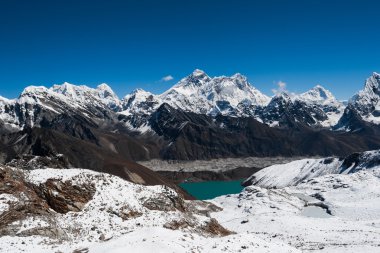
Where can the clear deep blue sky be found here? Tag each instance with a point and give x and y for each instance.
(130, 44)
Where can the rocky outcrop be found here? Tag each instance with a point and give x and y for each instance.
(65, 197)
(30, 200)
(167, 200)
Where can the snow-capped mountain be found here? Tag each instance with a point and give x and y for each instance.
(201, 94)
(366, 101)
(230, 96)
(318, 95)
(277, 110)
(140, 102)
(235, 96)
(37, 103)
(316, 107)
(102, 95)
(322, 99)
(219, 95)
(365, 105)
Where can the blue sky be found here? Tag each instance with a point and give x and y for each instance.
(134, 44)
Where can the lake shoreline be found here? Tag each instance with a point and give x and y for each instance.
(211, 189)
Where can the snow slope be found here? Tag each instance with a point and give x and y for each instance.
(292, 173)
(295, 172)
(331, 213)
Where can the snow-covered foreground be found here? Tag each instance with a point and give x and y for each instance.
(330, 213)
(120, 216)
(299, 215)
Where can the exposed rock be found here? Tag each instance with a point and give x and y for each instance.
(178, 224)
(127, 213)
(27, 201)
(214, 228)
(168, 201)
(202, 207)
(38, 201)
(64, 197)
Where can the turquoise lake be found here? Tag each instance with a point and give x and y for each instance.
(212, 189)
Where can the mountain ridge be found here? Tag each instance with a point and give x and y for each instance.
(230, 96)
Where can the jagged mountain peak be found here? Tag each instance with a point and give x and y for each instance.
(197, 78)
(201, 94)
(139, 91)
(85, 95)
(33, 90)
(138, 95)
(32, 94)
(370, 94)
(237, 80)
(372, 84)
(318, 94)
(105, 92)
(139, 102)
(70, 90)
(365, 104)
(198, 72)
(282, 96)
(104, 87)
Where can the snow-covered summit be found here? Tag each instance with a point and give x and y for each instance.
(369, 96)
(38, 103)
(201, 94)
(365, 104)
(140, 101)
(318, 94)
(84, 94)
(33, 90)
(282, 97)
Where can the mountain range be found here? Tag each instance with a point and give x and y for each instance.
(198, 93)
(200, 117)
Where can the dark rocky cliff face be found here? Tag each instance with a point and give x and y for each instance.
(178, 135)
(192, 136)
